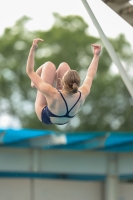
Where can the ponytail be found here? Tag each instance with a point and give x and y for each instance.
(74, 88)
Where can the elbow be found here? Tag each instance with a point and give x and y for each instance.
(28, 71)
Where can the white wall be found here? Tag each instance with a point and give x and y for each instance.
(47, 189)
(15, 189)
(62, 162)
(59, 161)
(67, 190)
(126, 191)
(38, 189)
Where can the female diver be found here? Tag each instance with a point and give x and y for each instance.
(57, 105)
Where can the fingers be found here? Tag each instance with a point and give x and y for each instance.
(35, 41)
(97, 49)
(38, 40)
(96, 45)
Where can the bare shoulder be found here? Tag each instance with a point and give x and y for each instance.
(84, 91)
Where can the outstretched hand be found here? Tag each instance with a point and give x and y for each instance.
(96, 49)
(35, 42)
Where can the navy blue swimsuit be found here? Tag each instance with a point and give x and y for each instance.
(46, 113)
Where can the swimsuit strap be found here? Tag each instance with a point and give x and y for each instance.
(64, 100)
(76, 102)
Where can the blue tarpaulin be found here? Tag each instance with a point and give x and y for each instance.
(46, 139)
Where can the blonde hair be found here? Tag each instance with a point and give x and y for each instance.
(71, 81)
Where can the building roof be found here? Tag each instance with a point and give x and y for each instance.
(45, 139)
(123, 8)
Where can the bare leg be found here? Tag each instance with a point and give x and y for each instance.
(62, 69)
(48, 74)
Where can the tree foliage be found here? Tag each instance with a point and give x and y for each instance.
(109, 105)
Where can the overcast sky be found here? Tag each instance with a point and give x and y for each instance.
(41, 13)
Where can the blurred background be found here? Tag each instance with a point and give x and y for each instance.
(68, 33)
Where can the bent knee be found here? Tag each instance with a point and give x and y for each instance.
(64, 65)
(49, 65)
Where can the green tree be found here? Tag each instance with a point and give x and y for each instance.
(109, 105)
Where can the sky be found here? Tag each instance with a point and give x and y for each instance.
(41, 11)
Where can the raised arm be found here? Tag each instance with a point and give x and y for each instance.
(86, 86)
(35, 78)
